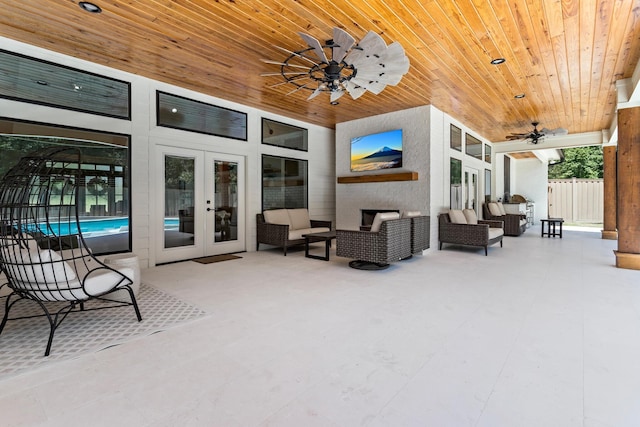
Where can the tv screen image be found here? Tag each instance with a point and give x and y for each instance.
(377, 151)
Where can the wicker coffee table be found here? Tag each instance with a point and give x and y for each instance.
(325, 237)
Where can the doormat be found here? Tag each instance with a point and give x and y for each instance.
(215, 258)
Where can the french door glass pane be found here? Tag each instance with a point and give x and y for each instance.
(226, 200)
(179, 214)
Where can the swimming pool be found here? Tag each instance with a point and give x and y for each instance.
(104, 226)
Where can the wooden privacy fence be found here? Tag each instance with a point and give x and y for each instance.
(576, 200)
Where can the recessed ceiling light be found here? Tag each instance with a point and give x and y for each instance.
(497, 61)
(42, 82)
(519, 96)
(90, 7)
(174, 110)
(334, 103)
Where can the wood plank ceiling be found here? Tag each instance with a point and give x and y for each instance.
(564, 55)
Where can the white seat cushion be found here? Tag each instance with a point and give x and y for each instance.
(380, 217)
(501, 208)
(297, 234)
(456, 216)
(41, 267)
(95, 284)
(471, 216)
(495, 232)
(277, 216)
(299, 218)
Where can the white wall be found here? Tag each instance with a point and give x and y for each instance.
(531, 182)
(146, 136)
(401, 195)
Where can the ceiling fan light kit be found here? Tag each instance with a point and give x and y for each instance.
(341, 65)
(535, 136)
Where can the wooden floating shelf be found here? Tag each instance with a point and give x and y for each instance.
(402, 176)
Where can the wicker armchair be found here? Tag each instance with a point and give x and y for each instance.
(376, 249)
(482, 234)
(420, 232)
(287, 228)
(514, 224)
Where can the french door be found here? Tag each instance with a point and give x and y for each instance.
(201, 202)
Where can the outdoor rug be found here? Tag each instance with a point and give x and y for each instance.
(215, 258)
(22, 343)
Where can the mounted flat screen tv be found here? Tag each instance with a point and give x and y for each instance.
(377, 151)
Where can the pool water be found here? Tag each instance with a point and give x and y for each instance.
(104, 226)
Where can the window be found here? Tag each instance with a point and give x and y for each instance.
(104, 195)
(487, 153)
(40, 82)
(455, 180)
(284, 135)
(456, 138)
(284, 182)
(187, 114)
(473, 147)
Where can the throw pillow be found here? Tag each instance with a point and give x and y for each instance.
(501, 207)
(470, 216)
(299, 218)
(457, 217)
(277, 216)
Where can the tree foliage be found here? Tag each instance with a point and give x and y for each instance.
(579, 162)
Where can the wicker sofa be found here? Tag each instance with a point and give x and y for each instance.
(463, 228)
(388, 241)
(285, 227)
(514, 224)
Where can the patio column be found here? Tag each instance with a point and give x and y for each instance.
(628, 180)
(610, 225)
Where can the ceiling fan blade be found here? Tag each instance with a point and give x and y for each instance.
(354, 90)
(342, 43)
(336, 94)
(317, 47)
(371, 47)
(269, 61)
(554, 132)
(295, 54)
(316, 92)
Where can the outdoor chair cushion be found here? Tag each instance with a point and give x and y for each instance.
(299, 219)
(380, 217)
(41, 267)
(457, 216)
(411, 214)
(277, 216)
(494, 209)
(95, 284)
(501, 208)
(471, 216)
(495, 232)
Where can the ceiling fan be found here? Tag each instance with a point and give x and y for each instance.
(341, 65)
(536, 135)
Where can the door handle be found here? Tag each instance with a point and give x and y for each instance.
(209, 209)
